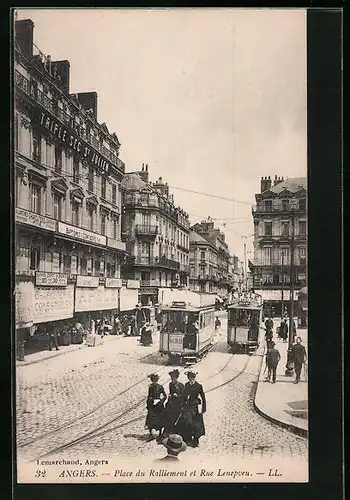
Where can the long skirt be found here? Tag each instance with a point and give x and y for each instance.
(191, 424)
(171, 415)
(155, 417)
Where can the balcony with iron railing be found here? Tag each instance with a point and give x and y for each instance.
(149, 230)
(156, 262)
(22, 83)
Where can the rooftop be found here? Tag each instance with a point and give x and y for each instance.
(292, 185)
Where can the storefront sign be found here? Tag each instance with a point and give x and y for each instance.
(113, 283)
(96, 299)
(24, 291)
(52, 304)
(73, 141)
(133, 284)
(32, 219)
(87, 281)
(175, 343)
(117, 244)
(81, 234)
(129, 297)
(50, 279)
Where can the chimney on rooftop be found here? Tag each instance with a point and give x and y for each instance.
(143, 173)
(265, 184)
(24, 31)
(277, 180)
(61, 69)
(88, 100)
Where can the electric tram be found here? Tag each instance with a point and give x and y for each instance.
(244, 322)
(187, 326)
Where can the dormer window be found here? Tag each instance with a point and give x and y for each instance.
(268, 205)
(285, 205)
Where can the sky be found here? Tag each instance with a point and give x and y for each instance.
(210, 99)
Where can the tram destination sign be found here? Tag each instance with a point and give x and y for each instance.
(247, 299)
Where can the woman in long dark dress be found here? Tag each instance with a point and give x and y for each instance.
(191, 424)
(155, 406)
(174, 404)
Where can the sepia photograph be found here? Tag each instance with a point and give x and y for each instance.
(161, 245)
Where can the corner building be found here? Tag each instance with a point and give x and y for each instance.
(67, 176)
(157, 236)
(280, 241)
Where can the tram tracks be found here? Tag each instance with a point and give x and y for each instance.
(110, 426)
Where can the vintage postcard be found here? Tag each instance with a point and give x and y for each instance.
(161, 300)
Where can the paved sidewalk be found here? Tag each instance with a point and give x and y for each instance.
(284, 403)
(36, 357)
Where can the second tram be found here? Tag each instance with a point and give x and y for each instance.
(187, 327)
(244, 322)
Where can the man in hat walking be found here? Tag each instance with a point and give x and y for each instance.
(155, 406)
(272, 358)
(191, 424)
(298, 355)
(174, 445)
(174, 404)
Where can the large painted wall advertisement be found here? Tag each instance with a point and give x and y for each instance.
(52, 304)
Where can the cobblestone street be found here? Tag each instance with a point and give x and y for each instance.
(92, 402)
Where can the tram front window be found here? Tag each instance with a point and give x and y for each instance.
(177, 321)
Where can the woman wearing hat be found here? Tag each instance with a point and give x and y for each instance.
(174, 403)
(191, 424)
(155, 406)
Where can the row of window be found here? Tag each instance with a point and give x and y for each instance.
(285, 205)
(145, 249)
(285, 228)
(283, 256)
(60, 168)
(70, 264)
(36, 202)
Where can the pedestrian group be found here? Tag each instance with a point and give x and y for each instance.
(177, 417)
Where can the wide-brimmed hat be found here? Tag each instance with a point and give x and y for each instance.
(174, 372)
(191, 374)
(153, 376)
(174, 443)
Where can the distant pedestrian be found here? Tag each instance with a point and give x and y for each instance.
(273, 358)
(52, 338)
(284, 330)
(294, 331)
(117, 326)
(217, 323)
(298, 354)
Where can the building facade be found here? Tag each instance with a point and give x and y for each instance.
(210, 260)
(280, 241)
(157, 236)
(67, 174)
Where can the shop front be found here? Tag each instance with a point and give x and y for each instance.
(96, 302)
(41, 306)
(274, 301)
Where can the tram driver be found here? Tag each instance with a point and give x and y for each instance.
(191, 334)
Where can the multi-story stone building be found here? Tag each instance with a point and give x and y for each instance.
(203, 265)
(280, 234)
(214, 267)
(67, 176)
(157, 235)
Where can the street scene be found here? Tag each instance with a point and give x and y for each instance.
(161, 295)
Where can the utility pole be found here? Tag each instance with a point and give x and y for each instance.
(282, 290)
(245, 263)
(290, 366)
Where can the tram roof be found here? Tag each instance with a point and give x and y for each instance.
(240, 306)
(188, 308)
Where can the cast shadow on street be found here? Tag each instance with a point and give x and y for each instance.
(141, 437)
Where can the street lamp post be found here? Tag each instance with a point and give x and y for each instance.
(290, 365)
